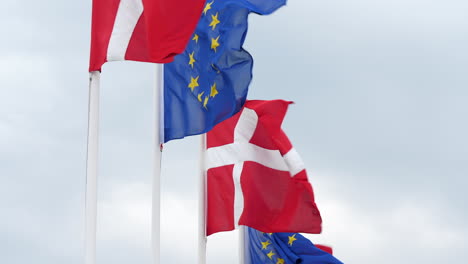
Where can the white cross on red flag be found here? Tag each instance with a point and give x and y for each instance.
(255, 177)
(141, 30)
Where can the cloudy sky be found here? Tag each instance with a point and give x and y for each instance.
(380, 120)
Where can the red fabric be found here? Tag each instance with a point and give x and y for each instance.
(162, 32)
(272, 114)
(104, 13)
(222, 134)
(325, 248)
(273, 200)
(221, 204)
(280, 205)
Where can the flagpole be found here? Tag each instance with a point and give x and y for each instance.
(202, 204)
(92, 168)
(242, 230)
(158, 93)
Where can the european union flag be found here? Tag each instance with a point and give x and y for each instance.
(208, 83)
(284, 248)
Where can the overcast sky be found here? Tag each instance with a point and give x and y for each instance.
(380, 120)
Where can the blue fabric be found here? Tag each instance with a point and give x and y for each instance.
(191, 111)
(301, 250)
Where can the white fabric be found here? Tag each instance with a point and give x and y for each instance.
(246, 126)
(294, 162)
(238, 152)
(243, 131)
(128, 14)
(238, 194)
(241, 150)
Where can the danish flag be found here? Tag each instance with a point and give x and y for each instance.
(254, 175)
(141, 30)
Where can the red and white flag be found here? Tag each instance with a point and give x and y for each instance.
(254, 175)
(141, 30)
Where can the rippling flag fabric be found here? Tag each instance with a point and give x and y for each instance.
(284, 248)
(208, 83)
(141, 30)
(255, 177)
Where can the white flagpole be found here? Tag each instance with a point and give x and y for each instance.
(242, 231)
(158, 139)
(202, 204)
(92, 168)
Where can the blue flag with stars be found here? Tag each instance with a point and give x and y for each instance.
(208, 83)
(283, 248)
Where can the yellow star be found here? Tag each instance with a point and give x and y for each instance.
(206, 101)
(200, 96)
(280, 261)
(214, 21)
(271, 254)
(214, 43)
(207, 7)
(193, 83)
(292, 239)
(195, 37)
(192, 59)
(213, 92)
(265, 244)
